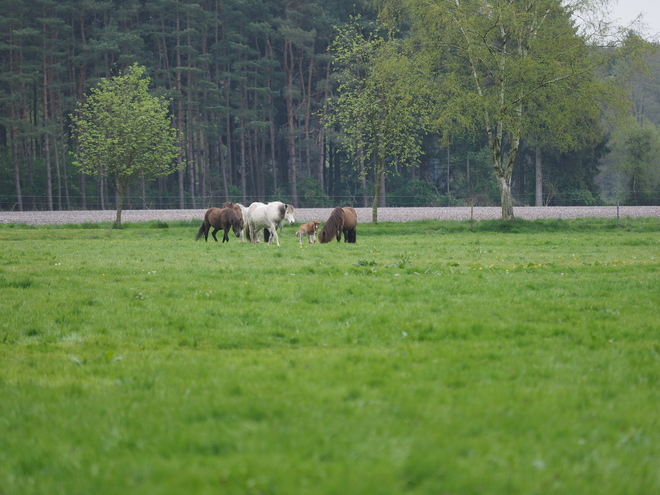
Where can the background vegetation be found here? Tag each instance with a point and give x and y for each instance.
(430, 357)
(249, 82)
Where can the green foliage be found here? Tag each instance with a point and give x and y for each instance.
(382, 107)
(414, 193)
(125, 133)
(311, 194)
(225, 66)
(500, 67)
(428, 357)
(379, 107)
(638, 158)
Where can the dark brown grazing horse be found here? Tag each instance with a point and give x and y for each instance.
(241, 213)
(220, 219)
(342, 220)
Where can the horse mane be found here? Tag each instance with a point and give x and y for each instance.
(333, 225)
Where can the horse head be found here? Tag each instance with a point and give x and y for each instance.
(289, 212)
(237, 225)
(324, 237)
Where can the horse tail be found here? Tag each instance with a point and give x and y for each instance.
(201, 231)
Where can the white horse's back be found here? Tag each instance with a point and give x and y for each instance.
(269, 216)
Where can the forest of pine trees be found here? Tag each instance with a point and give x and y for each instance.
(249, 82)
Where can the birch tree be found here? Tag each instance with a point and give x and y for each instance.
(502, 54)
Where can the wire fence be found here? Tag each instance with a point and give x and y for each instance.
(169, 202)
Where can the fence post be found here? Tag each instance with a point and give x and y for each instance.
(618, 221)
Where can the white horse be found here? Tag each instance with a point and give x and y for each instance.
(268, 216)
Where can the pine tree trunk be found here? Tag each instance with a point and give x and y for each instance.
(65, 171)
(14, 131)
(273, 160)
(243, 164)
(179, 117)
(467, 171)
(101, 186)
(58, 175)
(28, 145)
(83, 192)
(293, 169)
(448, 168)
(539, 178)
(49, 178)
(143, 190)
(17, 171)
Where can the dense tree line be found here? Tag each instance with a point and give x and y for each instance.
(247, 79)
(249, 83)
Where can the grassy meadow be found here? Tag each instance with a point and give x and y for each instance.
(428, 358)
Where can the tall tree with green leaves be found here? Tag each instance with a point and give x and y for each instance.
(636, 155)
(125, 133)
(501, 54)
(382, 104)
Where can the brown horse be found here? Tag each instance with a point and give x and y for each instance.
(308, 229)
(220, 219)
(241, 212)
(342, 220)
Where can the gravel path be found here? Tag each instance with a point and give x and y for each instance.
(364, 214)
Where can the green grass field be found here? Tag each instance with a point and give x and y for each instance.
(428, 358)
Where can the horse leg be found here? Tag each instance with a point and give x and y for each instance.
(253, 234)
(226, 236)
(213, 233)
(273, 234)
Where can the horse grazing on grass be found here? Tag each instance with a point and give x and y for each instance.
(310, 230)
(241, 212)
(220, 219)
(342, 220)
(268, 216)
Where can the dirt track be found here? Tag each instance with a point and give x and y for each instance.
(364, 214)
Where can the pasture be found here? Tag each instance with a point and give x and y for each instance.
(427, 358)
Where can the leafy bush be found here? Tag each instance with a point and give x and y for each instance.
(311, 195)
(415, 193)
